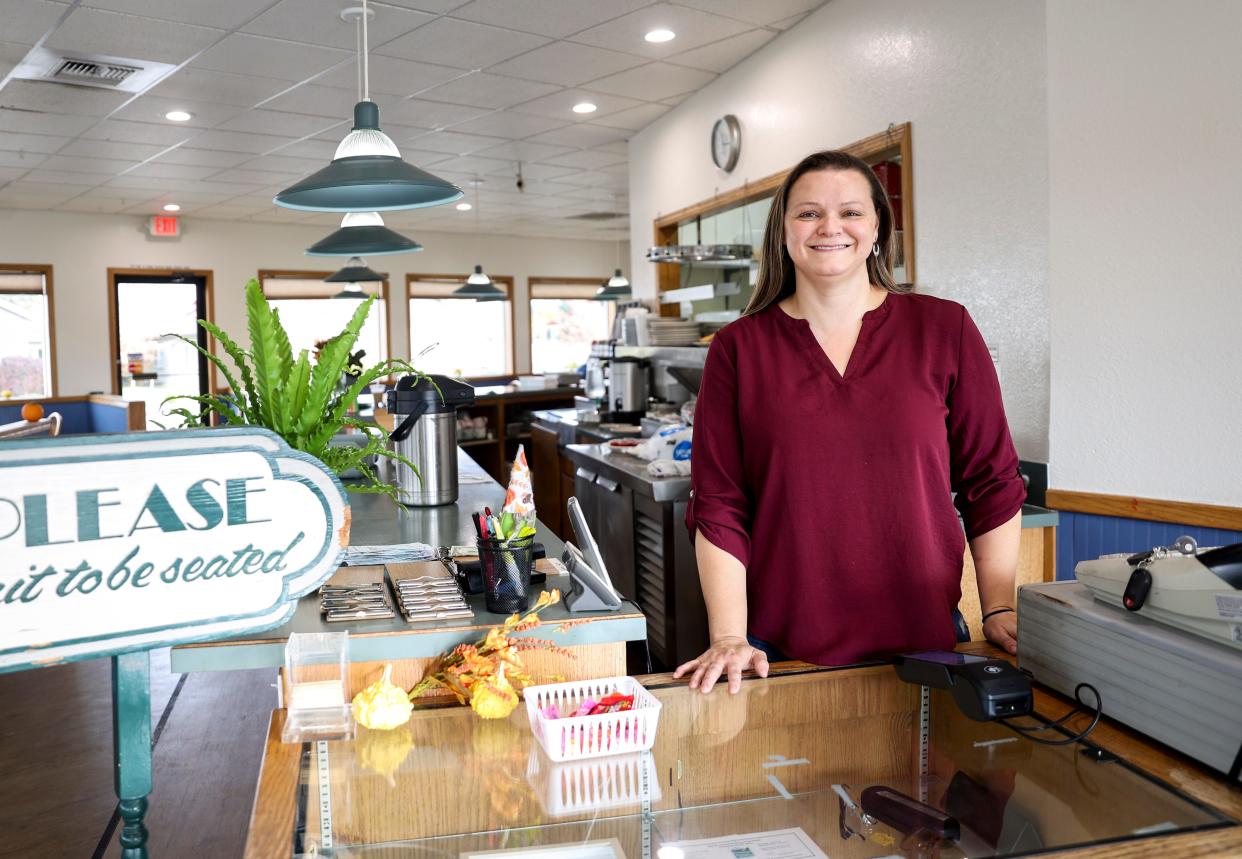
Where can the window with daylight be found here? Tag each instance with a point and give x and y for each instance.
(564, 320)
(311, 312)
(461, 337)
(27, 344)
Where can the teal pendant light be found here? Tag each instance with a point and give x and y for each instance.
(367, 173)
(615, 289)
(363, 234)
(478, 285)
(353, 275)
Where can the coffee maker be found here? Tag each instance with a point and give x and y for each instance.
(628, 387)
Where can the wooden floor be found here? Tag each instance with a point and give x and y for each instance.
(56, 796)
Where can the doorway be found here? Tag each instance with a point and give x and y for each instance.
(147, 308)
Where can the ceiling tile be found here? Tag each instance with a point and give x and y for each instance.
(225, 14)
(31, 122)
(524, 150)
(121, 35)
(91, 206)
(554, 18)
(559, 105)
(418, 113)
(507, 123)
(35, 195)
(24, 160)
(674, 100)
(454, 143)
(693, 28)
(725, 54)
(238, 141)
(321, 150)
(203, 157)
(84, 181)
(390, 76)
(159, 185)
(766, 12)
(285, 164)
(242, 53)
(161, 169)
(31, 142)
(491, 91)
(460, 44)
(318, 22)
(195, 85)
(471, 165)
(654, 81)
(255, 177)
(165, 133)
(786, 23)
(315, 100)
(27, 21)
(112, 149)
(50, 97)
(620, 147)
(586, 158)
(8, 174)
(635, 118)
(581, 135)
(229, 211)
(567, 64)
(282, 124)
(151, 108)
(10, 55)
(532, 173)
(80, 164)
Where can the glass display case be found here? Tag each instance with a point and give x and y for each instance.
(811, 763)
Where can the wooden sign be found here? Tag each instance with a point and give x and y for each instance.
(115, 543)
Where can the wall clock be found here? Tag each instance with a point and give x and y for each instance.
(726, 142)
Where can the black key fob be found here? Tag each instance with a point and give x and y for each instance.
(1137, 589)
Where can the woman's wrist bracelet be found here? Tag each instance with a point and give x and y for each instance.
(995, 612)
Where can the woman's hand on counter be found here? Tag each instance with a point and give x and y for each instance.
(729, 656)
(1002, 630)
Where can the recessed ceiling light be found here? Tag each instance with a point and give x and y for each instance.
(171, 207)
(464, 207)
(584, 107)
(660, 36)
(178, 116)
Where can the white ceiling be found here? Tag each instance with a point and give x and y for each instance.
(465, 89)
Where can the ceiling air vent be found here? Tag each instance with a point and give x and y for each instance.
(98, 74)
(94, 70)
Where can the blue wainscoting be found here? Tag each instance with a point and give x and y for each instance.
(1086, 536)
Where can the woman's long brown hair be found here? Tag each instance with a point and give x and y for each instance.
(776, 269)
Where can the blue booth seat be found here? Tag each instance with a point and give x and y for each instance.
(88, 413)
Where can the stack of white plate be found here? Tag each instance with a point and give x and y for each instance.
(672, 332)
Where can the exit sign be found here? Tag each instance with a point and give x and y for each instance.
(167, 226)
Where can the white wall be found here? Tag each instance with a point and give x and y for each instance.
(1145, 130)
(970, 77)
(82, 247)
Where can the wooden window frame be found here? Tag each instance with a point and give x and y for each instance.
(296, 274)
(532, 282)
(46, 271)
(896, 137)
(213, 386)
(503, 281)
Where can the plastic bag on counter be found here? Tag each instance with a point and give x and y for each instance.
(671, 442)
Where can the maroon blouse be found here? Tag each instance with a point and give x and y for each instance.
(835, 492)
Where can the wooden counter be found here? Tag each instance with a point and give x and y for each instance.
(762, 760)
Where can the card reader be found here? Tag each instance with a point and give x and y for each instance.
(984, 689)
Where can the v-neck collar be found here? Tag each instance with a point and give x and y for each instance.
(802, 329)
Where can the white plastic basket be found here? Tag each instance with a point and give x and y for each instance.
(579, 787)
(577, 737)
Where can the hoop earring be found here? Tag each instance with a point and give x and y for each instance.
(875, 250)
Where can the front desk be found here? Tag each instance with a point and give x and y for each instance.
(770, 767)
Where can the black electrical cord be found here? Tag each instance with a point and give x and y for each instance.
(1097, 710)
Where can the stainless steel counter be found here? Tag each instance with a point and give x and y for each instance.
(376, 520)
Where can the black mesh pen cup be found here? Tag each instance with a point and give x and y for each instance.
(506, 573)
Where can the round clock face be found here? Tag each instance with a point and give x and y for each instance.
(726, 142)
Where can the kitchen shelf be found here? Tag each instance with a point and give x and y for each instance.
(476, 442)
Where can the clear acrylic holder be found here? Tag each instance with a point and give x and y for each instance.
(316, 701)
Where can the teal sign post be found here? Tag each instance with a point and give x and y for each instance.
(117, 544)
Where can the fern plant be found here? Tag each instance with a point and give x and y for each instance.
(301, 401)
